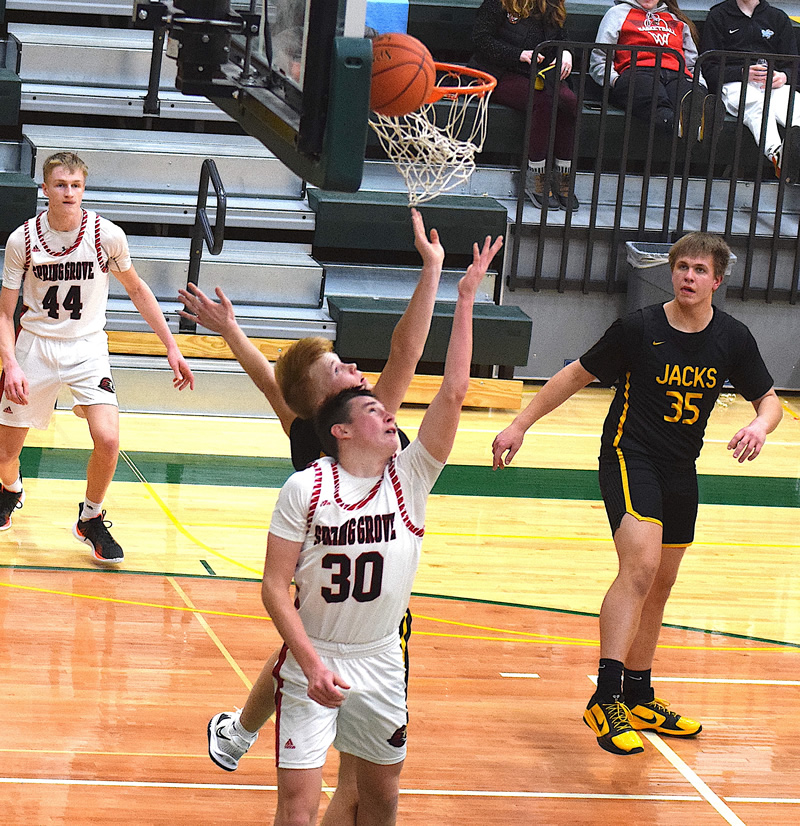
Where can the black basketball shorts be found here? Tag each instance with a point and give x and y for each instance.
(632, 483)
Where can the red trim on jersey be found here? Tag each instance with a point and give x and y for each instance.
(276, 673)
(338, 499)
(398, 492)
(27, 230)
(97, 248)
(78, 240)
(315, 494)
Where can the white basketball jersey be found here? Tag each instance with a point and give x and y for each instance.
(65, 290)
(362, 546)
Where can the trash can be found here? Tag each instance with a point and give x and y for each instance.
(650, 279)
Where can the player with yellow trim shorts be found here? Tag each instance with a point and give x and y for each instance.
(669, 363)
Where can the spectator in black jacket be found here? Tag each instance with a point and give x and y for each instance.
(505, 38)
(756, 27)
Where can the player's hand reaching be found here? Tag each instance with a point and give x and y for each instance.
(747, 442)
(481, 259)
(322, 687)
(505, 446)
(431, 250)
(217, 316)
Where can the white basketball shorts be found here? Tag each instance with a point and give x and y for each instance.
(81, 364)
(370, 723)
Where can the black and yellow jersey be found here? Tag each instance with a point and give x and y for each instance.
(668, 381)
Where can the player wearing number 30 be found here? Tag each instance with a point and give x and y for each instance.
(347, 530)
(61, 260)
(669, 363)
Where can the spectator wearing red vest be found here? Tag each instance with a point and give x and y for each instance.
(648, 23)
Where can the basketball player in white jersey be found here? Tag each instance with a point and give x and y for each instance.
(348, 530)
(61, 260)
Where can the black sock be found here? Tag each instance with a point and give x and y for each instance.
(609, 681)
(637, 687)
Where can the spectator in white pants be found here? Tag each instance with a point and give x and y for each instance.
(756, 27)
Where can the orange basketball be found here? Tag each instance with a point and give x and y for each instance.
(403, 74)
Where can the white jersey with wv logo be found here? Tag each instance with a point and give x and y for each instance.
(65, 286)
(361, 543)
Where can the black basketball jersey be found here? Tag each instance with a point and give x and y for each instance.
(306, 446)
(668, 381)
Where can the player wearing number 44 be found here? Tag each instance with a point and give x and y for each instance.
(61, 260)
(669, 363)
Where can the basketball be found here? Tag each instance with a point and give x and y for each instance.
(403, 74)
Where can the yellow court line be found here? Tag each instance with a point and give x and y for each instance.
(176, 523)
(792, 413)
(544, 641)
(596, 643)
(136, 603)
(498, 630)
(214, 638)
(606, 539)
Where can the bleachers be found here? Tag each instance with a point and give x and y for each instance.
(277, 261)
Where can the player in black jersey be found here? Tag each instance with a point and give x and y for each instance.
(304, 377)
(669, 363)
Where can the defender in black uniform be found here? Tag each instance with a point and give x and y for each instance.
(669, 363)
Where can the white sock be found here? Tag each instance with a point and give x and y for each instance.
(242, 731)
(537, 167)
(16, 487)
(563, 166)
(90, 510)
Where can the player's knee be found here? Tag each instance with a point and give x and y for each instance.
(106, 443)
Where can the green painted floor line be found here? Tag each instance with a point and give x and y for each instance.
(445, 597)
(456, 480)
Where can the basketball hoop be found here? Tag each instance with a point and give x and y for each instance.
(434, 148)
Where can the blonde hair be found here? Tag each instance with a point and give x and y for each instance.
(552, 12)
(292, 372)
(69, 160)
(702, 245)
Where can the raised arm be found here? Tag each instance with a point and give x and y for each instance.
(437, 430)
(145, 302)
(411, 332)
(282, 555)
(748, 441)
(219, 317)
(556, 391)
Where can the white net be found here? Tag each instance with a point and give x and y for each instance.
(434, 148)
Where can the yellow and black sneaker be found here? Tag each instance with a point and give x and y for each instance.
(656, 716)
(609, 721)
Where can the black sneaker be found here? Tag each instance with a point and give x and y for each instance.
(790, 155)
(94, 532)
(9, 502)
(690, 123)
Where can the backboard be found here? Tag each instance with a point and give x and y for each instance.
(293, 73)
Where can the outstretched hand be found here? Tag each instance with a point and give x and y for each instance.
(481, 259)
(217, 316)
(431, 250)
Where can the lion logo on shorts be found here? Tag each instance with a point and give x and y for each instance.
(398, 739)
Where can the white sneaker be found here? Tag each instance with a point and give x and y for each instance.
(226, 745)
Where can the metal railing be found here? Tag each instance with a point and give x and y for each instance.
(651, 185)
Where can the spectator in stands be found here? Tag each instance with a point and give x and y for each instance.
(754, 26)
(505, 38)
(649, 23)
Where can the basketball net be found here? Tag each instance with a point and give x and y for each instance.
(435, 156)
